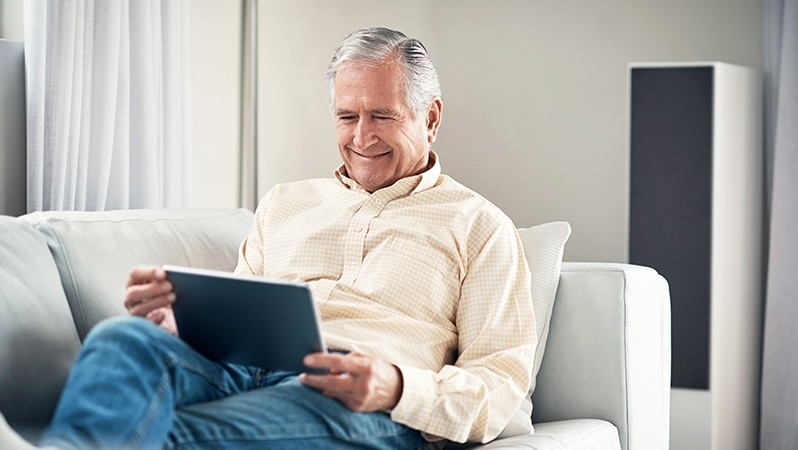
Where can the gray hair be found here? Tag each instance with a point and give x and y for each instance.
(373, 46)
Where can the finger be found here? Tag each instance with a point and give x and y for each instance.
(319, 360)
(331, 385)
(145, 274)
(355, 364)
(332, 363)
(156, 316)
(144, 308)
(141, 292)
(164, 318)
(168, 323)
(342, 372)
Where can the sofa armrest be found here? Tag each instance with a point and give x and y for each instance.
(38, 341)
(608, 352)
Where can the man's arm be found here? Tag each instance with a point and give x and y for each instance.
(475, 398)
(250, 252)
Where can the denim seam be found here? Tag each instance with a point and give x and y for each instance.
(211, 379)
(152, 412)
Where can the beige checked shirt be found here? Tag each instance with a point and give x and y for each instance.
(424, 274)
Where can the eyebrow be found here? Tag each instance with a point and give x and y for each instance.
(343, 112)
(377, 112)
(385, 112)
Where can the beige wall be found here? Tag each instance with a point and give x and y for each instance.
(11, 20)
(215, 99)
(535, 93)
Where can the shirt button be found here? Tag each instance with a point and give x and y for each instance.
(358, 228)
(378, 201)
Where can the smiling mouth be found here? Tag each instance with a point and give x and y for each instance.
(370, 156)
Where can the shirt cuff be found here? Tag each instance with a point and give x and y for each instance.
(418, 393)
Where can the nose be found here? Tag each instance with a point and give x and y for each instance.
(365, 135)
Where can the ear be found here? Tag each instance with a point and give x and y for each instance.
(434, 119)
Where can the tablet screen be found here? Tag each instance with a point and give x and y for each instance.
(244, 319)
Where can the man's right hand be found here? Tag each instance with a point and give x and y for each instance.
(148, 294)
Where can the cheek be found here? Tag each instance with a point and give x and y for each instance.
(413, 142)
(343, 134)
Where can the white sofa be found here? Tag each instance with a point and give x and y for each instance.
(604, 381)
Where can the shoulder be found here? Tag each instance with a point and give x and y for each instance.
(471, 216)
(471, 203)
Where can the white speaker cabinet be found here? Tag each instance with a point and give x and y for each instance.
(696, 215)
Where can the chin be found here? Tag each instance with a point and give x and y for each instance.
(373, 185)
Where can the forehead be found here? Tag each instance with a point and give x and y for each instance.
(361, 81)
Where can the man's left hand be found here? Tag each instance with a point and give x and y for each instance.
(362, 383)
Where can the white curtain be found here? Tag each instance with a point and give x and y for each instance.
(107, 103)
(779, 425)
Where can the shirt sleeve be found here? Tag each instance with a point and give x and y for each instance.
(250, 252)
(474, 399)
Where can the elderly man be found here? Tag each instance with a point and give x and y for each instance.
(421, 284)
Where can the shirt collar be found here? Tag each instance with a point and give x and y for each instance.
(404, 186)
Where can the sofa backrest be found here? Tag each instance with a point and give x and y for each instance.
(94, 251)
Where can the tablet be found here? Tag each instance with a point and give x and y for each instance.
(244, 319)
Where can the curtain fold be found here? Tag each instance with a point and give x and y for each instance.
(107, 100)
(779, 426)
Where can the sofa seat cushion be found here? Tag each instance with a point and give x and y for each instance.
(578, 434)
(94, 251)
(39, 341)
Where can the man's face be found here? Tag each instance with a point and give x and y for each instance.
(379, 139)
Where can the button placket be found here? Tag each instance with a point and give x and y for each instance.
(356, 238)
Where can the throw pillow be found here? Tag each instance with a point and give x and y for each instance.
(543, 247)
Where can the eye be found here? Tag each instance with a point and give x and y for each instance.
(347, 118)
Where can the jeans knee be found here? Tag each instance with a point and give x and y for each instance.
(123, 330)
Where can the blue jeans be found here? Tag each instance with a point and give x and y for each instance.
(136, 386)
